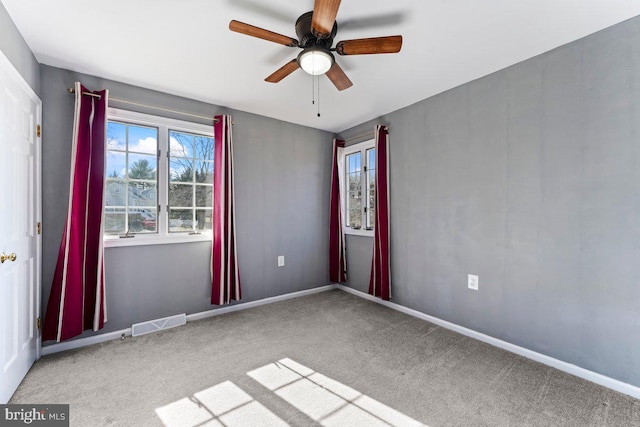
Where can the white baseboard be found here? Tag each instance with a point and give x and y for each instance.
(245, 305)
(569, 368)
(82, 342)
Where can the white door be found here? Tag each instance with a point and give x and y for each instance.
(20, 241)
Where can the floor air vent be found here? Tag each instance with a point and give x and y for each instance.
(158, 324)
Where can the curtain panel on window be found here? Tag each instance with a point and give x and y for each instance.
(380, 280)
(337, 252)
(77, 300)
(224, 256)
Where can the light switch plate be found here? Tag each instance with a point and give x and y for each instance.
(473, 281)
(281, 261)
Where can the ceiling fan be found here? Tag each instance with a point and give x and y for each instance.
(316, 31)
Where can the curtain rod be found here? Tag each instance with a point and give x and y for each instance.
(72, 90)
(362, 135)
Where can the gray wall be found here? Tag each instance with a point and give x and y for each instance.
(528, 177)
(15, 48)
(282, 194)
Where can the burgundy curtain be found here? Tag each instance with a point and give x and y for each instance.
(380, 281)
(77, 299)
(224, 257)
(337, 252)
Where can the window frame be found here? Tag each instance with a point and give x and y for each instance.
(362, 148)
(164, 125)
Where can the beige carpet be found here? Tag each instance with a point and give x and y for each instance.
(329, 359)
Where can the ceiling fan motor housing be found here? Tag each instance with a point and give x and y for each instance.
(306, 37)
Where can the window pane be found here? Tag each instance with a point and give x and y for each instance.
(181, 195)
(114, 220)
(115, 192)
(143, 140)
(353, 163)
(204, 147)
(142, 193)
(371, 206)
(371, 180)
(150, 221)
(180, 220)
(204, 219)
(355, 209)
(371, 158)
(204, 172)
(355, 182)
(116, 136)
(355, 219)
(142, 220)
(354, 200)
(204, 196)
(181, 144)
(116, 164)
(180, 170)
(142, 166)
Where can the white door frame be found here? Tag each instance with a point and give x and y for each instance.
(13, 73)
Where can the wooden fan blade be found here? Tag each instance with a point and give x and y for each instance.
(391, 44)
(338, 77)
(261, 33)
(324, 16)
(283, 71)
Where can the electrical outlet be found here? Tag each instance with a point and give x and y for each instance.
(473, 281)
(281, 261)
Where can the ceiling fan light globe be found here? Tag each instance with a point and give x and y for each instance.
(315, 61)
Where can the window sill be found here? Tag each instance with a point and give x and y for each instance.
(140, 240)
(366, 233)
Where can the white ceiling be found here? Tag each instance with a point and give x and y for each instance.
(185, 47)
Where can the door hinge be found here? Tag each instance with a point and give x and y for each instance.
(38, 131)
(39, 228)
(38, 323)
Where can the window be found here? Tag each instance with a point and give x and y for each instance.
(358, 188)
(159, 180)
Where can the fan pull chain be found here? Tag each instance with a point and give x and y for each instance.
(313, 82)
(318, 85)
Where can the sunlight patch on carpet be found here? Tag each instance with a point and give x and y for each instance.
(325, 400)
(224, 404)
